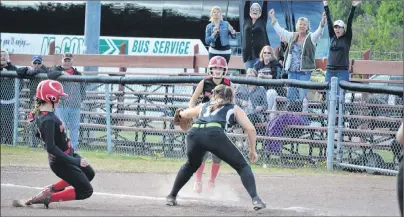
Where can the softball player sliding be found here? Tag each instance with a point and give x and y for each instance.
(74, 171)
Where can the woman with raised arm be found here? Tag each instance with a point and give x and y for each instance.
(300, 55)
(341, 38)
(255, 35)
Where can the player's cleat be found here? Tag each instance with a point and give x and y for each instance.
(171, 201)
(41, 198)
(198, 187)
(211, 186)
(49, 188)
(258, 203)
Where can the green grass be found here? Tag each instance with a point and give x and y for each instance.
(22, 156)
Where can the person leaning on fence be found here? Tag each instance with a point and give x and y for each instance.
(213, 118)
(252, 99)
(29, 72)
(74, 171)
(255, 35)
(69, 109)
(7, 100)
(300, 55)
(217, 70)
(217, 35)
(400, 176)
(341, 38)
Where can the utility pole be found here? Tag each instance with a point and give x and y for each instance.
(92, 30)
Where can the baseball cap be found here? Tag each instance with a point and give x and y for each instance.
(339, 23)
(36, 58)
(67, 56)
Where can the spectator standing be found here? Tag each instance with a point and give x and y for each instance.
(30, 72)
(280, 50)
(255, 35)
(217, 35)
(69, 108)
(300, 54)
(7, 100)
(341, 38)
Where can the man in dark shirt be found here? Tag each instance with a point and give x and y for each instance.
(341, 38)
(7, 100)
(29, 72)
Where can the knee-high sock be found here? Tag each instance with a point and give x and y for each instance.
(199, 172)
(60, 185)
(214, 171)
(65, 195)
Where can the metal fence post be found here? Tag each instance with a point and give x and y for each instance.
(331, 122)
(16, 110)
(341, 108)
(108, 117)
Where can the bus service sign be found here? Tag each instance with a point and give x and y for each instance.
(39, 44)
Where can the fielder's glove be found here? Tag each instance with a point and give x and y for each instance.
(184, 123)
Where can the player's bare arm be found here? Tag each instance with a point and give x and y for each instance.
(245, 123)
(191, 112)
(400, 134)
(195, 96)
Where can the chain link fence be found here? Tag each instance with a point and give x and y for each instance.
(135, 117)
(367, 125)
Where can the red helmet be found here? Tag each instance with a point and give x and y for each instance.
(50, 91)
(218, 61)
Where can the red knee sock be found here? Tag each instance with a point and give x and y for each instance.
(199, 172)
(214, 171)
(65, 195)
(60, 185)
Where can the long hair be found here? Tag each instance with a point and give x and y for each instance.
(211, 12)
(270, 50)
(38, 103)
(222, 95)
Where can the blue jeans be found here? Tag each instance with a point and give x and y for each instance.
(250, 63)
(71, 119)
(295, 93)
(342, 75)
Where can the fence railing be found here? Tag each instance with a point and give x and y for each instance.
(134, 115)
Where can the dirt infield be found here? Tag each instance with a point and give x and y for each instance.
(143, 194)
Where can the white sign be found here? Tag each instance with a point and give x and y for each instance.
(39, 44)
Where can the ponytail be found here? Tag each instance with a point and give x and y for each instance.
(224, 98)
(35, 111)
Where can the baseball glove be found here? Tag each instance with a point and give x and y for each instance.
(184, 123)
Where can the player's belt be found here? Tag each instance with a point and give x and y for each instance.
(214, 124)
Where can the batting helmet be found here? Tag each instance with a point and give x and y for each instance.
(220, 62)
(50, 91)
